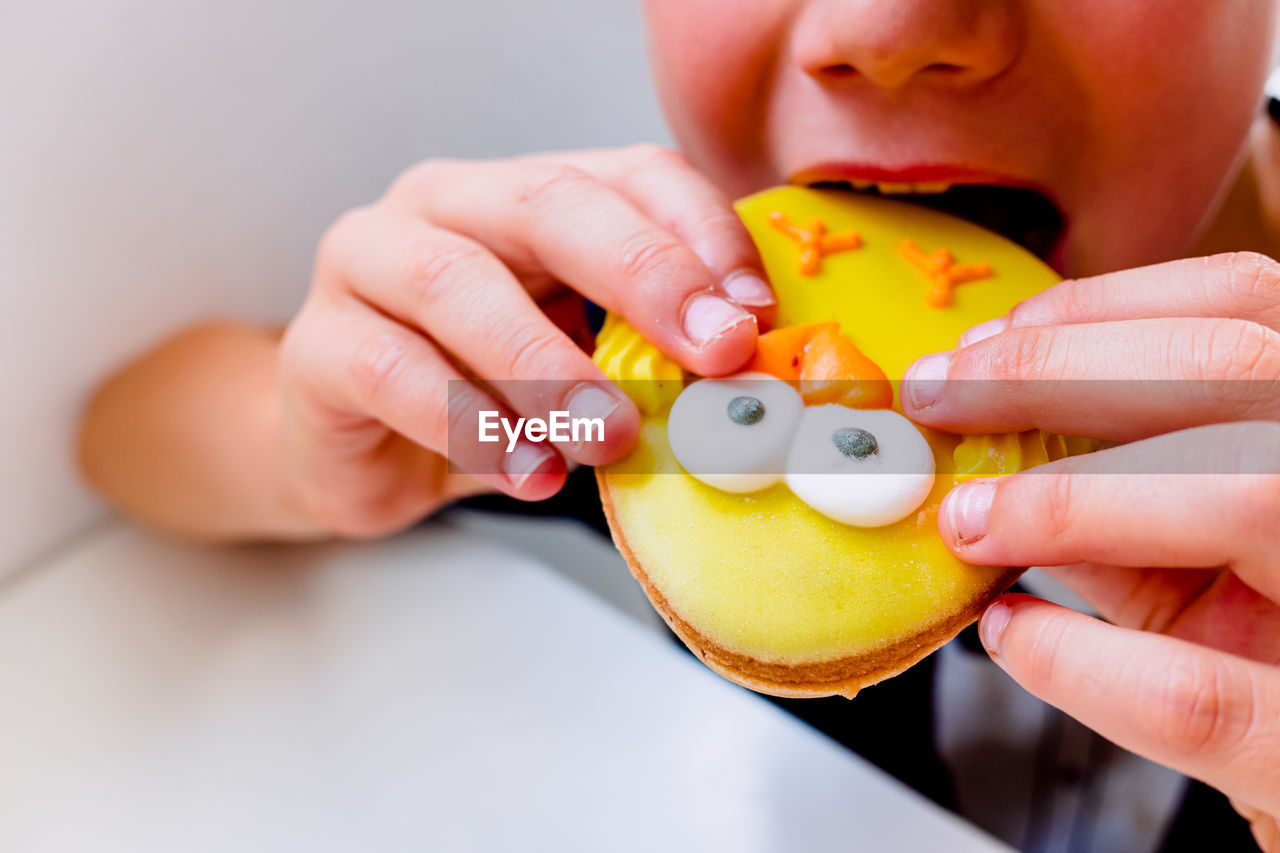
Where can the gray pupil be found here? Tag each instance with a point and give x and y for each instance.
(746, 410)
(854, 442)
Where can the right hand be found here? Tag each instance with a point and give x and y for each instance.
(476, 271)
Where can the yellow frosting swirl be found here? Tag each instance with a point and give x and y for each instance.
(649, 378)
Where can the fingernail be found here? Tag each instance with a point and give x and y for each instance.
(749, 289)
(590, 402)
(525, 461)
(968, 507)
(707, 317)
(982, 331)
(926, 379)
(991, 628)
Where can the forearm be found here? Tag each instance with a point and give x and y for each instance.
(188, 438)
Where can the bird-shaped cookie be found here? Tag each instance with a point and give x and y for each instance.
(784, 520)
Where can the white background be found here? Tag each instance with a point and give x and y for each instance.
(162, 162)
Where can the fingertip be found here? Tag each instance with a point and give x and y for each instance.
(721, 335)
(533, 471)
(749, 289)
(727, 347)
(996, 618)
(923, 384)
(545, 483)
(964, 516)
(617, 429)
(991, 627)
(982, 331)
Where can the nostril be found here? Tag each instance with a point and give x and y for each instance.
(945, 68)
(841, 70)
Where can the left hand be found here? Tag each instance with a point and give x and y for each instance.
(1174, 537)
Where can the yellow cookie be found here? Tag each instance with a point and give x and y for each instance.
(800, 587)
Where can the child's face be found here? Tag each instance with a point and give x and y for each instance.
(1128, 114)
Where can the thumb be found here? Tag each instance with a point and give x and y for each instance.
(1209, 714)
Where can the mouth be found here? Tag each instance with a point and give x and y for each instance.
(1022, 214)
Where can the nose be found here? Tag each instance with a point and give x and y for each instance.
(896, 43)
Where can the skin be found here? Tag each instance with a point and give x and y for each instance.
(339, 426)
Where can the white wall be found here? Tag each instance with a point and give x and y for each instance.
(162, 161)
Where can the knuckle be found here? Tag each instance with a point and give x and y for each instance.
(297, 360)
(1194, 704)
(1020, 356)
(646, 255)
(1237, 350)
(653, 154)
(456, 424)
(434, 266)
(1058, 512)
(1260, 491)
(292, 344)
(527, 353)
(1249, 274)
(1052, 636)
(338, 240)
(545, 184)
(377, 364)
(422, 177)
(1063, 301)
(717, 219)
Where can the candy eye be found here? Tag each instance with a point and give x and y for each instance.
(865, 467)
(733, 433)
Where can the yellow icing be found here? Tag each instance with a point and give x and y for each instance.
(765, 575)
(650, 379)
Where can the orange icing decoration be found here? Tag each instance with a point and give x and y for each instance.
(834, 370)
(780, 352)
(943, 271)
(814, 241)
(828, 366)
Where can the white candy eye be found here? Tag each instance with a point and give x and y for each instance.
(733, 433)
(865, 467)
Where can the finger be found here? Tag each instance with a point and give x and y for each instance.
(1119, 381)
(451, 288)
(679, 198)
(1145, 504)
(1210, 607)
(1208, 714)
(1242, 285)
(364, 364)
(559, 221)
(1265, 829)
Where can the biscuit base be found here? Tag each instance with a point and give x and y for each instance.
(843, 676)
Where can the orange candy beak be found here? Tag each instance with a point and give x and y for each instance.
(828, 366)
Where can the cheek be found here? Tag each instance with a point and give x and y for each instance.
(713, 62)
(1169, 98)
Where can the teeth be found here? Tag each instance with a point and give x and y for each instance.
(901, 187)
(922, 187)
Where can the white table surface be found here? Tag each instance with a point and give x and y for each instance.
(431, 692)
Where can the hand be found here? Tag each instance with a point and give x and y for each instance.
(1174, 538)
(466, 273)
